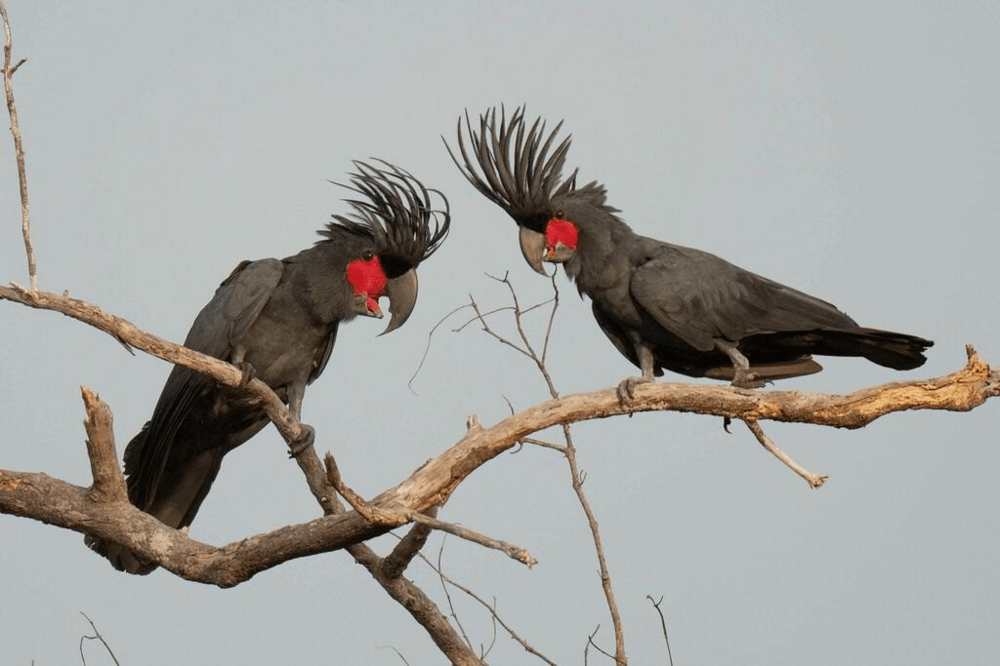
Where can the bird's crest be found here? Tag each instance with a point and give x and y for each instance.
(511, 164)
(397, 213)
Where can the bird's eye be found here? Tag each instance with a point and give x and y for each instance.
(559, 215)
(367, 255)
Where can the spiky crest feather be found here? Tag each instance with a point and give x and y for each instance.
(511, 164)
(397, 214)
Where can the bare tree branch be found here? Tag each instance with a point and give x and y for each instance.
(57, 502)
(41, 497)
(408, 547)
(595, 532)
(512, 551)
(663, 623)
(15, 130)
(570, 452)
(814, 480)
(447, 595)
(109, 482)
(424, 611)
(446, 580)
(393, 518)
(131, 336)
(590, 641)
(96, 636)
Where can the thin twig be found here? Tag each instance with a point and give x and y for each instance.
(372, 514)
(570, 452)
(491, 608)
(544, 444)
(398, 653)
(590, 641)
(606, 586)
(490, 331)
(663, 623)
(602, 650)
(447, 595)
(427, 348)
(514, 552)
(504, 308)
(814, 480)
(96, 636)
(552, 316)
(382, 517)
(15, 130)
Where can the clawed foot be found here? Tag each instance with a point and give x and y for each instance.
(626, 388)
(304, 441)
(745, 379)
(248, 373)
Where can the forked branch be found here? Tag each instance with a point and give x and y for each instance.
(41, 497)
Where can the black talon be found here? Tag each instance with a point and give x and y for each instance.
(248, 372)
(304, 441)
(626, 388)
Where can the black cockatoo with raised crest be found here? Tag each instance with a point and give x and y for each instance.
(663, 306)
(277, 319)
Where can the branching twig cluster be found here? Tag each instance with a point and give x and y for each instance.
(568, 450)
(446, 581)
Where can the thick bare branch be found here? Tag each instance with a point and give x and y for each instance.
(109, 482)
(60, 503)
(420, 607)
(395, 563)
(54, 501)
(131, 336)
(41, 497)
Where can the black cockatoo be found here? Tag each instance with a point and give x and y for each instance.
(662, 305)
(277, 319)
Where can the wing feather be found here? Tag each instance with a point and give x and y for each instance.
(698, 297)
(216, 330)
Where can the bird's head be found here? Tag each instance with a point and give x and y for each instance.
(519, 168)
(578, 218)
(397, 226)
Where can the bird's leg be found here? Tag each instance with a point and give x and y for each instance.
(296, 391)
(237, 358)
(626, 387)
(742, 377)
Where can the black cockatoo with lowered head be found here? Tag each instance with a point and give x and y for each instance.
(277, 320)
(663, 306)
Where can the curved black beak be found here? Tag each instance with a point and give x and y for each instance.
(533, 249)
(402, 294)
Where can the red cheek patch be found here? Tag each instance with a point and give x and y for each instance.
(368, 279)
(560, 231)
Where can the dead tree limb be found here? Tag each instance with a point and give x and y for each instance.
(54, 501)
(15, 130)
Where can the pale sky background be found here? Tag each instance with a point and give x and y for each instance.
(851, 150)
